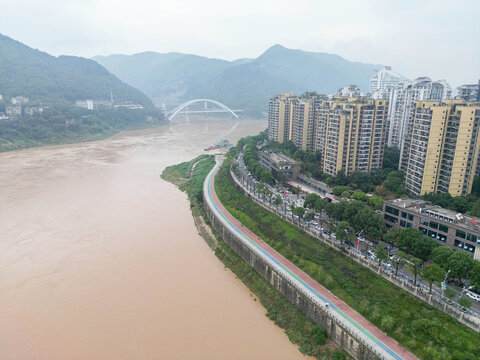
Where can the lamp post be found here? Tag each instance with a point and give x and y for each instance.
(444, 285)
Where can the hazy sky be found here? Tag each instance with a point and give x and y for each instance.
(436, 38)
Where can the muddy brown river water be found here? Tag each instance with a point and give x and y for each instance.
(100, 259)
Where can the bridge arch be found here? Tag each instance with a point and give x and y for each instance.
(185, 104)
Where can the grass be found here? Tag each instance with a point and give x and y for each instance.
(301, 331)
(422, 329)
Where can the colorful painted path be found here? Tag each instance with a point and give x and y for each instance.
(383, 345)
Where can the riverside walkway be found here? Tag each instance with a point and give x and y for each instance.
(384, 346)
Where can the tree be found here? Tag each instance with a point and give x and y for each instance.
(475, 274)
(414, 266)
(278, 200)
(310, 201)
(338, 190)
(381, 253)
(344, 231)
(392, 236)
(440, 255)
(465, 302)
(460, 264)
(309, 216)
(423, 246)
(299, 211)
(433, 273)
(399, 260)
(376, 202)
(360, 196)
(449, 293)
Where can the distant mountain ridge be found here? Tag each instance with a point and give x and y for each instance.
(64, 79)
(244, 83)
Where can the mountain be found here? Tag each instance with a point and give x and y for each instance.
(52, 84)
(245, 83)
(63, 79)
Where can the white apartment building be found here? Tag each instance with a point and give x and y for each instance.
(382, 80)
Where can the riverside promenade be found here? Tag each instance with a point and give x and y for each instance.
(366, 333)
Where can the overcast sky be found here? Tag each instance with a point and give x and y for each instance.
(436, 38)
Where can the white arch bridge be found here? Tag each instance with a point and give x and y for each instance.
(183, 108)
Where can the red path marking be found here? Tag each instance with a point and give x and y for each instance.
(381, 336)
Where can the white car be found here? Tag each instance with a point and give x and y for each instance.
(472, 296)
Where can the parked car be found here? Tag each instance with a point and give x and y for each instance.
(472, 296)
(349, 243)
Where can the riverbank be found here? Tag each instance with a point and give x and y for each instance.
(301, 331)
(38, 132)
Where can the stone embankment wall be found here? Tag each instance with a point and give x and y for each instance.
(352, 343)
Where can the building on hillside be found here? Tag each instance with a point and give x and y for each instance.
(469, 92)
(19, 100)
(384, 79)
(1, 97)
(402, 103)
(444, 146)
(279, 163)
(350, 91)
(350, 134)
(90, 104)
(13, 110)
(280, 117)
(449, 228)
(32, 110)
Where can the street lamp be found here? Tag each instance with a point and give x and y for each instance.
(444, 284)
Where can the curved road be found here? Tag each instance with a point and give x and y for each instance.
(383, 344)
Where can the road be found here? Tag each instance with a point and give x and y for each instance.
(388, 347)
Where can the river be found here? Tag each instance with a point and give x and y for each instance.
(100, 258)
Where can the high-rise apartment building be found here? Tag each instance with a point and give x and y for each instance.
(280, 110)
(402, 102)
(443, 148)
(350, 134)
(303, 119)
(382, 80)
(469, 92)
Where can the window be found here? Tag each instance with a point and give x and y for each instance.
(391, 210)
(405, 224)
(391, 219)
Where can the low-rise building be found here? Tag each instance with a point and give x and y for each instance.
(19, 100)
(278, 164)
(13, 110)
(455, 230)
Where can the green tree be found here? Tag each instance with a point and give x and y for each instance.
(344, 231)
(465, 302)
(449, 293)
(360, 196)
(399, 260)
(433, 273)
(278, 200)
(474, 275)
(441, 255)
(460, 264)
(309, 216)
(299, 211)
(338, 190)
(375, 201)
(414, 266)
(381, 253)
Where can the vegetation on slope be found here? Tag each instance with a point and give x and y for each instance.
(419, 327)
(311, 339)
(238, 84)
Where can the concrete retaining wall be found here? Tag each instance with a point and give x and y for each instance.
(339, 333)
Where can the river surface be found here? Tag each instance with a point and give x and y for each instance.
(100, 258)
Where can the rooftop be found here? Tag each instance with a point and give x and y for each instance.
(280, 158)
(426, 208)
